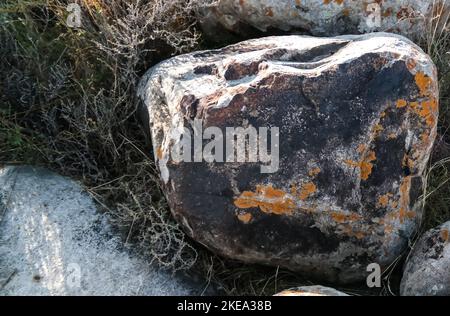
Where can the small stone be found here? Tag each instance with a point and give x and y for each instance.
(427, 269)
(314, 290)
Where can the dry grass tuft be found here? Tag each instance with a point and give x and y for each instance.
(437, 44)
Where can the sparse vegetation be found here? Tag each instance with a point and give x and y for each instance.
(68, 102)
(437, 44)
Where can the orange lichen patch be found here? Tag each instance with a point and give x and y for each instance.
(414, 105)
(314, 172)
(383, 200)
(423, 82)
(403, 212)
(428, 108)
(159, 153)
(366, 169)
(268, 199)
(444, 235)
(401, 103)
(307, 190)
(365, 165)
(245, 217)
(429, 111)
(349, 224)
(272, 193)
(345, 218)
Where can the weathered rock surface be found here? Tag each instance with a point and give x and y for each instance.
(357, 120)
(313, 290)
(319, 17)
(427, 270)
(54, 242)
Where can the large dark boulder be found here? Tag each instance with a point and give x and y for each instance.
(356, 119)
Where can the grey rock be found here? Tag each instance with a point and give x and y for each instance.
(313, 290)
(53, 241)
(356, 119)
(319, 17)
(427, 270)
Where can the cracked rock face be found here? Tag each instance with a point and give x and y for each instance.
(427, 270)
(318, 17)
(356, 119)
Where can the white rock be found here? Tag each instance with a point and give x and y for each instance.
(54, 242)
(427, 270)
(319, 17)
